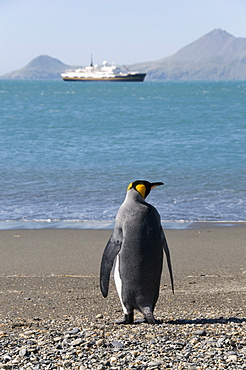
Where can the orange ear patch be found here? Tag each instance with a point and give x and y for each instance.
(129, 186)
(141, 189)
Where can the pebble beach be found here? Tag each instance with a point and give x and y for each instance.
(53, 316)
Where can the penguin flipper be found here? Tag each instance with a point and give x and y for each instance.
(110, 252)
(169, 264)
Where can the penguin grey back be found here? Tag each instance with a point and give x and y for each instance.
(136, 251)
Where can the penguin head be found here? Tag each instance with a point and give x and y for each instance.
(143, 187)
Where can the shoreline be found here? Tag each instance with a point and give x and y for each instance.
(108, 224)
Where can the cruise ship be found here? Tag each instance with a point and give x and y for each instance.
(102, 73)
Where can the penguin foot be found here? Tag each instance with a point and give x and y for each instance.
(148, 315)
(128, 319)
(150, 319)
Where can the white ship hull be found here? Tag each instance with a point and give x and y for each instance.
(104, 73)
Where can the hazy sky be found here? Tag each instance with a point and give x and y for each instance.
(125, 32)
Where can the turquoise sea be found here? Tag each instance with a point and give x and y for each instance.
(68, 150)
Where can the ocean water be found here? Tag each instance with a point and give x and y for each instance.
(69, 150)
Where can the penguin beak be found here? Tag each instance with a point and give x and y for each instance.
(155, 184)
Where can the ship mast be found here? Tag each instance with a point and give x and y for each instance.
(91, 60)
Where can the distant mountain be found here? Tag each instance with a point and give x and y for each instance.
(215, 56)
(42, 67)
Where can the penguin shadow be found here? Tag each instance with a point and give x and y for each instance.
(220, 320)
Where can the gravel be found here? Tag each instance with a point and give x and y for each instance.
(64, 323)
(54, 344)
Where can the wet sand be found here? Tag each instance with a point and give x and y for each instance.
(54, 273)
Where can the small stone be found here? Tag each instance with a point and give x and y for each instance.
(200, 332)
(230, 353)
(100, 342)
(6, 358)
(151, 336)
(31, 342)
(57, 339)
(29, 332)
(76, 342)
(220, 341)
(23, 352)
(15, 361)
(99, 316)
(72, 331)
(155, 363)
(232, 358)
(117, 344)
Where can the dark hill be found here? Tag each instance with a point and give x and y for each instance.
(42, 67)
(215, 56)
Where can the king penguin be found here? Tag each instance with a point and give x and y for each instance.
(135, 253)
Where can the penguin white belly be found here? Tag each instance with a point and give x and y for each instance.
(118, 282)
